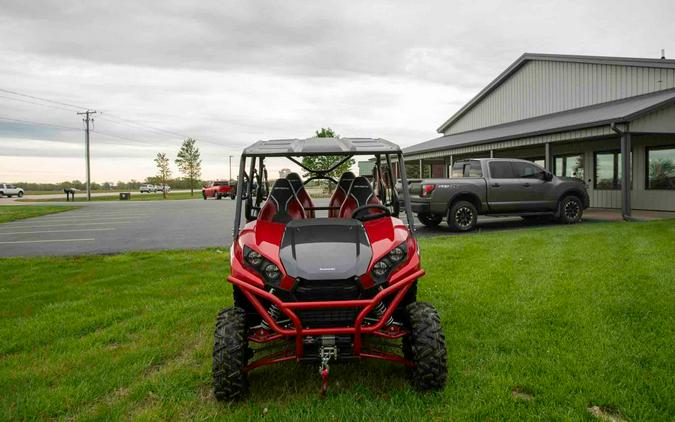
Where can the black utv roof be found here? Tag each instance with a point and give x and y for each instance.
(321, 146)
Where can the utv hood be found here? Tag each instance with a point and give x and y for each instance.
(325, 249)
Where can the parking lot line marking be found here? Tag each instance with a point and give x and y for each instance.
(7, 225)
(78, 216)
(60, 231)
(46, 241)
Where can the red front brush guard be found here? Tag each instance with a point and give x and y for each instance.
(400, 288)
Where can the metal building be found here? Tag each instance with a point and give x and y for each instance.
(577, 116)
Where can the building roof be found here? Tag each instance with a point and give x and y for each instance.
(619, 111)
(321, 146)
(619, 61)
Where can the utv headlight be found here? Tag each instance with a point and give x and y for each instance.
(253, 257)
(397, 254)
(272, 271)
(386, 265)
(380, 268)
(267, 270)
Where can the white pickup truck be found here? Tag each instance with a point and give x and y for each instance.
(10, 190)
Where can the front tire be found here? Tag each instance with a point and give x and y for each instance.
(571, 210)
(230, 355)
(425, 347)
(204, 195)
(430, 220)
(462, 216)
(20, 194)
(218, 196)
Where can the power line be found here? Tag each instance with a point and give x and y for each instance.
(34, 123)
(9, 91)
(109, 117)
(136, 125)
(36, 103)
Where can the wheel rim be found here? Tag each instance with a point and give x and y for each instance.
(463, 217)
(571, 210)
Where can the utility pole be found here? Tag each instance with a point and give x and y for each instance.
(230, 168)
(87, 120)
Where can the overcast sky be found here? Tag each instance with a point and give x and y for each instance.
(229, 73)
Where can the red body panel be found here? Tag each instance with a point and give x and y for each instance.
(265, 237)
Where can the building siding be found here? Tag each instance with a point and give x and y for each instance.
(544, 87)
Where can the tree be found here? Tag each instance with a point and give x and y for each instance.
(189, 162)
(163, 171)
(327, 161)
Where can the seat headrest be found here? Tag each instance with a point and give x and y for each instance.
(282, 193)
(295, 180)
(346, 180)
(361, 190)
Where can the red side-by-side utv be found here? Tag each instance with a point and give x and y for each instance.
(329, 283)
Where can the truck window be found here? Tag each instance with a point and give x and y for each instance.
(527, 171)
(501, 170)
(474, 169)
(458, 169)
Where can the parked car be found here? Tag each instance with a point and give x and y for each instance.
(498, 187)
(163, 188)
(220, 189)
(148, 188)
(10, 190)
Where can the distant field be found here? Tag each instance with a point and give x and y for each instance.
(135, 196)
(548, 323)
(17, 212)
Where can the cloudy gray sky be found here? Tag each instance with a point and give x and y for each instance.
(232, 72)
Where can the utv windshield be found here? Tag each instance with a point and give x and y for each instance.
(325, 185)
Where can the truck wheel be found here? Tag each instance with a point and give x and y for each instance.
(462, 216)
(430, 220)
(204, 195)
(571, 210)
(230, 355)
(425, 347)
(233, 196)
(20, 194)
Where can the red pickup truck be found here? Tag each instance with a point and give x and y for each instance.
(220, 189)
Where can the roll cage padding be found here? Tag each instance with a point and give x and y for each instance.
(340, 194)
(282, 205)
(360, 193)
(301, 194)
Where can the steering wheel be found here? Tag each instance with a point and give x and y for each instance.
(367, 217)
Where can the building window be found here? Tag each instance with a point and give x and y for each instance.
(540, 161)
(661, 168)
(608, 170)
(569, 166)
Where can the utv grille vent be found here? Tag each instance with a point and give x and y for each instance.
(318, 290)
(327, 318)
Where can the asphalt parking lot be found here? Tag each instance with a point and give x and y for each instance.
(111, 227)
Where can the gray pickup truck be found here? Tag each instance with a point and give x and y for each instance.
(498, 187)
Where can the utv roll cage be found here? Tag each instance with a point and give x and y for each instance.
(292, 149)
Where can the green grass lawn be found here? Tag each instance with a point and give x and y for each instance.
(541, 323)
(17, 212)
(135, 196)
